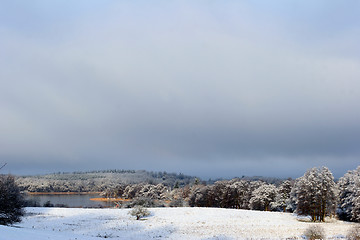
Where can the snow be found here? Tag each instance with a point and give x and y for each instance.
(163, 223)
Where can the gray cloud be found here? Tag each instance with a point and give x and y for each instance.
(212, 89)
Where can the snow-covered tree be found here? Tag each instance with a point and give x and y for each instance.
(355, 213)
(158, 191)
(328, 194)
(282, 198)
(11, 202)
(217, 195)
(230, 195)
(131, 191)
(263, 196)
(199, 196)
(315, 194)
(349, 195)
(243, 195)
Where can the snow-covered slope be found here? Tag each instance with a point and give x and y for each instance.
(163, 223)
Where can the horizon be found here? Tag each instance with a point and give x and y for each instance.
(208, 88)
(203, 178)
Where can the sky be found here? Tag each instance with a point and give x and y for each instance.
(215, 89)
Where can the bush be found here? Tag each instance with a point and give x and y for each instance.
(139, 212)
(144, 202)
(315, 232)
(176, 203)
(61, 205)
(11, 201)
(31, 203)
(48, 204)
(354, 233)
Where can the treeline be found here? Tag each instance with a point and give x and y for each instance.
(315, 194)
(241, 194)
(98, 181)
(235, 193)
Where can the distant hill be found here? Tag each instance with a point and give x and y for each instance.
(270, 180)
(98, 180)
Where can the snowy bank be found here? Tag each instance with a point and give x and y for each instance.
(163, 223)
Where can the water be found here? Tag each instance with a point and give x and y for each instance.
(71, 200)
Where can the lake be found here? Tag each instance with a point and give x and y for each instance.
(70, 200)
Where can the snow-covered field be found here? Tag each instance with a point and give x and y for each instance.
(163, 223)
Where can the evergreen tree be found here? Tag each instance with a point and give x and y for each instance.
(11, 201)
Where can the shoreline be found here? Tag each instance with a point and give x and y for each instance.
(63, 193)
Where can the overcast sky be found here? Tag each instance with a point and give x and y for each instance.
(206, 88)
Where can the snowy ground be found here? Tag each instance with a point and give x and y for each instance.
(163, 223)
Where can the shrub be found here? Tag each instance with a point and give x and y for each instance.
(11, 201)
(176, 203)
(144, 202)
(31, 203)
(139, 212)
(61, 205)
(315, 232)
(354, 233)
(48, 204)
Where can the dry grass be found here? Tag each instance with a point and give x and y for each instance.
(110, 199)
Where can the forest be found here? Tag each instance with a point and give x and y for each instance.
(315, 194)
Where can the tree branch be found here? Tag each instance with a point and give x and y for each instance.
(3, 166)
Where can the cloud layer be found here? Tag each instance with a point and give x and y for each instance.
(216, 89)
